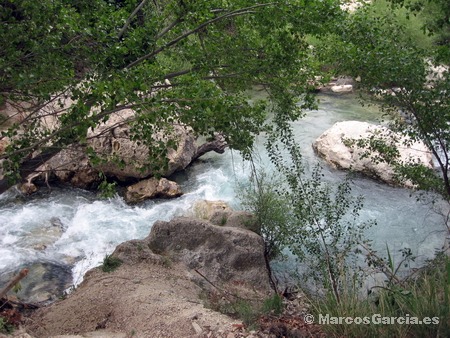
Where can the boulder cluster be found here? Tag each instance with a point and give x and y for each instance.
(118, 156)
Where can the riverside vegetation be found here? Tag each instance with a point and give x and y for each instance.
(319, 225)
(110, 55)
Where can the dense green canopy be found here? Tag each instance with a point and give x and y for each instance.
(410, 82)
(193, 62)
(110, 55)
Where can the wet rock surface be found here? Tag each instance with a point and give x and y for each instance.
(46, 281)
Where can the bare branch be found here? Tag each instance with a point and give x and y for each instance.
(127, 23)
(13, 282)
(243, 11)
(218, 145)
(168, 28)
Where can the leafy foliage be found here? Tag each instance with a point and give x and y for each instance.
(110, 263)
(5, 327)
(409, 83)
(318, 223)
(424, 294)
(106, 189)
(173, 62)
(273, 305)
(327, 232)
(271, 209)
(436, 17)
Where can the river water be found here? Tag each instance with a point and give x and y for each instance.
(75, 229)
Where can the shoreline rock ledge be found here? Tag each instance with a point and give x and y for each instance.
(332, 147)
(163, 284)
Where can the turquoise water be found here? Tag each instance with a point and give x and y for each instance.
(93, 227)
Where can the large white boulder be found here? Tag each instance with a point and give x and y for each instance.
(332, 147)
(346, 88)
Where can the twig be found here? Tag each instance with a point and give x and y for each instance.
(206, 279)
(225, 292)
(13, 282)
(127, 23)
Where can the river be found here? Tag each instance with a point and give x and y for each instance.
(74, 229)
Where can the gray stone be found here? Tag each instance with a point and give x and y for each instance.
(220, 213)
(43, 236)
(217, 212)
(70, 165)
(342, 88)
(27, 188)
(152, 188)
(221, 254)
(197, 328)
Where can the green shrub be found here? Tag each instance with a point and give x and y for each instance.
(5, 327)
(166, 261)
(110, 263)
(246, 312)
(423, 295)
(271, 210)
(273, 305)
(249, 311)
(106, 189)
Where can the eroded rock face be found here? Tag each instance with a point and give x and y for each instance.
(331, 147)
(217, 212)
(72, 165)
(220, 213)
(222, 254)
(112, 139)
(27, 188)
(152, 188)
(122, 158)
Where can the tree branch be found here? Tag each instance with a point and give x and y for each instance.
(238, 12)
(127, 23)
(13, 282)
(167, 29)
(218, 145)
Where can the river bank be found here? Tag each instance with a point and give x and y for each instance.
(92, 227)
(208, 280)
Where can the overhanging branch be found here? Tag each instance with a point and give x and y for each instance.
(242, 11)
(127, 23)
